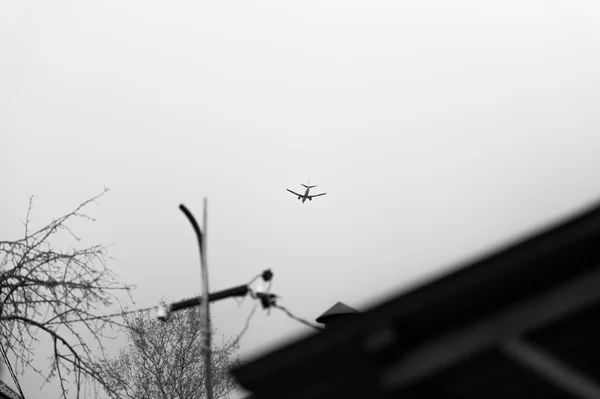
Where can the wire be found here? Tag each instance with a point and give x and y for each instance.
(254, 279)
(239, 301)
(291, 315)
(108, 316)
(241, 334)
(269, 300)
(11, 371)
(267, 275)
(248, 284)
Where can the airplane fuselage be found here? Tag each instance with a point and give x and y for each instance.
(305, 195)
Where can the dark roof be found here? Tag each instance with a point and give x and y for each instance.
(453, 337)
(6, 392)
(335, 311)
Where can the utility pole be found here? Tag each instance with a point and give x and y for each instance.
(204, 309)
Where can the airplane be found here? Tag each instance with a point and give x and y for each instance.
(306, 196)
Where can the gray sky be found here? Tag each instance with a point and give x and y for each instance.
(439, 130)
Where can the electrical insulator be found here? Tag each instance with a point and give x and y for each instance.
(162, 313)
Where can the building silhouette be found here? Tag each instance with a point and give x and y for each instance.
(6, 392)
(520, 323)
(338, 314)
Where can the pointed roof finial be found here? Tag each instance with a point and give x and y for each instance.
(335, 312)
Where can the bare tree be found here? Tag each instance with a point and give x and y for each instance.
(56, 294)
(164, 360)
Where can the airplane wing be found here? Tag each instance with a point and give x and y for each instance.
(300, 195)
(316, 195)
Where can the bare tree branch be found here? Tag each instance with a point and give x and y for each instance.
(43, 290)
(163, 359)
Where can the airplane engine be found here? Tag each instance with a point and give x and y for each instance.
(310, 199)
(298, 197)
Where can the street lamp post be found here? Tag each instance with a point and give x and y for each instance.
(204, 309)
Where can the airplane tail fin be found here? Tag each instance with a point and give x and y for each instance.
(307, 185)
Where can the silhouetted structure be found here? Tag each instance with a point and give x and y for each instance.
(521, 323)
(7, 392)
(338, 314)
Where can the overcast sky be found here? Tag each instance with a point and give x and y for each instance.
(438, 129)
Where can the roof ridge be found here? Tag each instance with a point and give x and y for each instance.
(8, 392)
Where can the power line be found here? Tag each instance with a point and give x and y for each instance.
(267, 275)
(299, 319)
(269, 300)
(108, 316)
(254, 279)
(241, 334)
